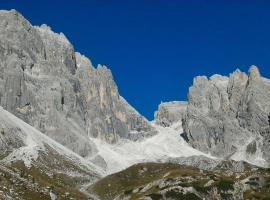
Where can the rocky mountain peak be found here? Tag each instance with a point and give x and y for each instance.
(254, 73)
(226, 116)
(104, 70)
(238, 75)
(200, 80)
(83, 61)
(60, 38)
(45, 83)
(14, 15)
(169, 113)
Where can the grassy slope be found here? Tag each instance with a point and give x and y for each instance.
(133, 181)
(138, 176)
(50, 171)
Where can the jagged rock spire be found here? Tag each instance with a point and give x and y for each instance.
(222, 117)
(254, 73)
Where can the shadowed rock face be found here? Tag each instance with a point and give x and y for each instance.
(229, 115)
(45, 83)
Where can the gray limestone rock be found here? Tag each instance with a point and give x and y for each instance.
(170, 112)
(45, 83)
(206, 163)
(200, 162)
(229, 116)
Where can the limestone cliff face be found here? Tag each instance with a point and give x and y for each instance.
(170, 112)
(45, 83)
(229, 116)
(109, 116)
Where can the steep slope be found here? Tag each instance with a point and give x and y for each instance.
(32, 160)
(165, 145)
(229, 116)
(45, 83)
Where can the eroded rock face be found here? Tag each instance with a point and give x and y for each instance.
(45, 83)
(109, 116)
(170, 112)
(229, 116)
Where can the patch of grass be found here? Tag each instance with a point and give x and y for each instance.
(141, 175)
(225, 196)
(264, 193)
(225, 184)
(177, 195)
(60, 183)
(50, 171)
(128, 192)
(137, 176)
(202, 189)
(155, 196)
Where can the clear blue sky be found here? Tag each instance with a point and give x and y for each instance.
(155, 47)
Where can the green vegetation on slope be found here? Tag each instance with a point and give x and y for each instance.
(172, 181)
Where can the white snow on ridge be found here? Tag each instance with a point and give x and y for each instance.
(166, 144)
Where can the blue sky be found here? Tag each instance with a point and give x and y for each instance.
(155, 47)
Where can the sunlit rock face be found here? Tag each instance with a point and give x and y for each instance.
(170, 112)
(229, 116)
(45, 83)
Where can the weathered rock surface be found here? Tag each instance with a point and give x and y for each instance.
(229, 116)
(45, 83)
(32, 165)
(200, 162)
(170, 112)
(206, 163)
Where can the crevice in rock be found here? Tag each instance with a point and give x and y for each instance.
(62, 102)
(185, 136)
